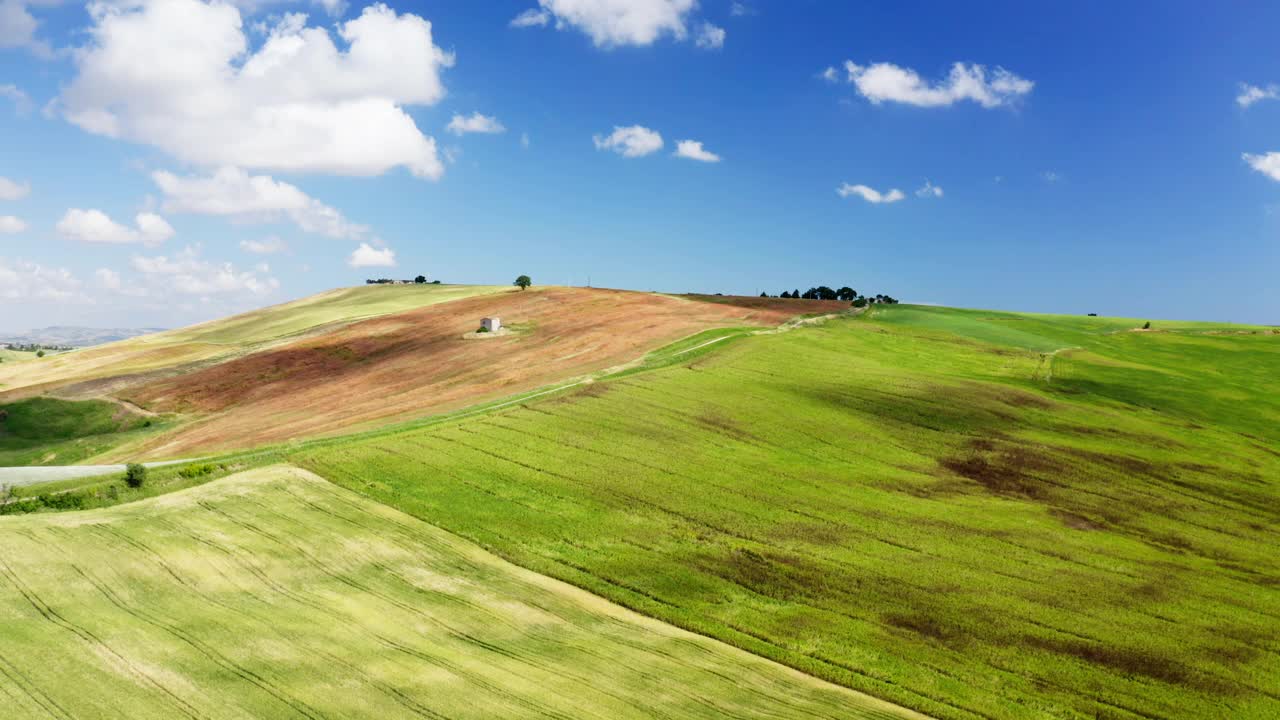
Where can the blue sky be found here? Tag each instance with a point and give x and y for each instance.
(1106, 159)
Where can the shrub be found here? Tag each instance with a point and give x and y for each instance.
(482, 329)
(62, 501)
(860, 302)
(196, 470)
(135, 474)
(1146, 325)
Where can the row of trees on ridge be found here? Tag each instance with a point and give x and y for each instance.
(846, 293)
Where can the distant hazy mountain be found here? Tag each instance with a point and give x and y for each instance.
(74, 336)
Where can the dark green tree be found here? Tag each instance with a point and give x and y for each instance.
(135, 475)
(421, 280)
(523, 282)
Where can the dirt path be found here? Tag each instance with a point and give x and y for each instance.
(20, 476)
(132, 408)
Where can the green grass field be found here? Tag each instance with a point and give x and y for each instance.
(15, 355)
(971, 513)
(273, 594)
(47, 431)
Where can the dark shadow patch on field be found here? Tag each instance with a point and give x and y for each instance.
(1123, 436)
(1134, 661)
(582, 392)
(1009, 470)
(969, 409)
(777, 575)
(719, 421)
(1076, 521)
(927, 625)
(813, 533)
(1250, 575)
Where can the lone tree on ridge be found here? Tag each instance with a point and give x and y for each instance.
(523, 282)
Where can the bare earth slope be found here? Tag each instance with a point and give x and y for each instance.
(106, 369)
(401, 366)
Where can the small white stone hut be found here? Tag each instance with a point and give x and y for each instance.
(492, 324)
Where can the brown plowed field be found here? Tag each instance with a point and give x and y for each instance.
(416, 363)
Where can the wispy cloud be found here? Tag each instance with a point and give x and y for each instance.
(1250, 94)
(871, 195)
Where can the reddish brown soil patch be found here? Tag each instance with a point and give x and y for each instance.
(416, 363)
(775, 305)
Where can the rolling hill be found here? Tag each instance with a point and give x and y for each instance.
(363, 357)
(967, 513)
(92, 372)
(970, 513)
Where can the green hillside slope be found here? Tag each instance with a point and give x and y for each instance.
(974, 514)
(272, 594)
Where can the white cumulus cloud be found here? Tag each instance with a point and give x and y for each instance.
(107, 279)
(886, 82)
(186, 273)
(26, 280)
(95, 226)
(693, 150)
(475, 123)
(710, 37)
(179, 75)
(1268, 164)
(11, 225)
(613, 23)
(1250, 94)
(632, 141)
(368, 256)
(869, 194)
(12, 190)
(234, 193)
(18, 28)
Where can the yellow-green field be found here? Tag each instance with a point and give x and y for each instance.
(15, 355)
(273, 594)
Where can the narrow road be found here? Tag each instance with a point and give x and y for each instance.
(19, 476)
